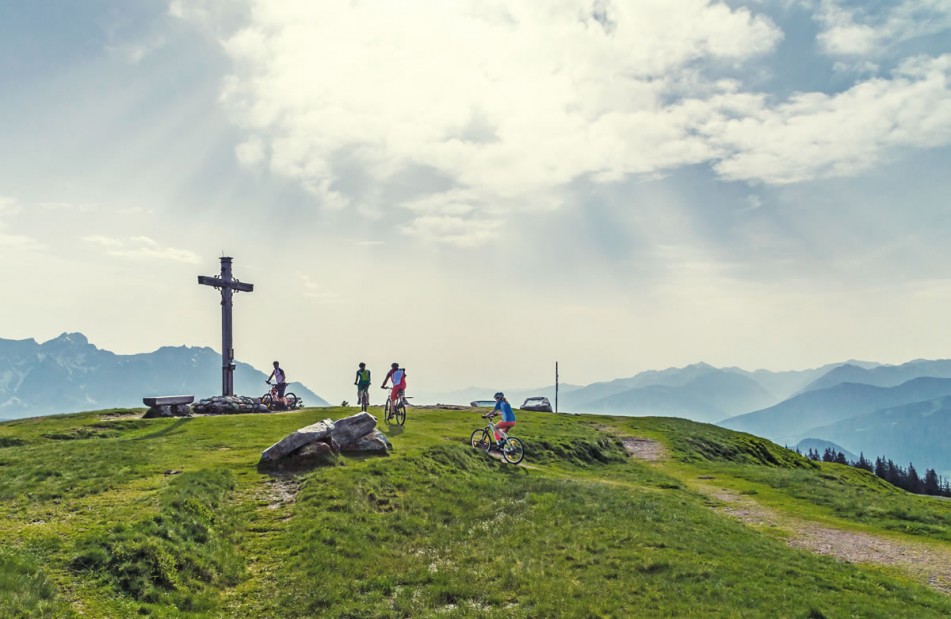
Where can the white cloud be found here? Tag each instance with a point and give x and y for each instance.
(250, 152)
(859, 29)
(15, 242)
(508, 101)
(317, 292)
(814, 135)
(9, 206)
(67, 206)
(140, 248)
(450, 230)
(505, 104)
(134, 53)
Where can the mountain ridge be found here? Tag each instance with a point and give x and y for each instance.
(70, 374)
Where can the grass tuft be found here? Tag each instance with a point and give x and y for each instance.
(179, 555)
(25, 591)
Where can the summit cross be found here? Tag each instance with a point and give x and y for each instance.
(227, 285)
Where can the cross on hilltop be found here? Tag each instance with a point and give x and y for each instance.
(227, 285)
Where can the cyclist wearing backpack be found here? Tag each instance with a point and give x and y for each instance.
(362, 381)
(398, 376)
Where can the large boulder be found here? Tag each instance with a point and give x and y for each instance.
(319, 443)
(292, 442)
(321, 453)
(350, 429)
(374, 442)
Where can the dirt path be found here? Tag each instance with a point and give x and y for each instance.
(924, 562)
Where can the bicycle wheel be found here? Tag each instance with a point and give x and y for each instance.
(399, 413)
(267, 401)
(387, 409)
(291, 399)
(513, 451)
(480, 440)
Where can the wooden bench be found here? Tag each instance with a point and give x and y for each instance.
(168, 406)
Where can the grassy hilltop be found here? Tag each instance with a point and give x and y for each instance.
(106, 515)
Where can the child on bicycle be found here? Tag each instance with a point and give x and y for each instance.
(398, 376)
(362, 381)
(508, 417)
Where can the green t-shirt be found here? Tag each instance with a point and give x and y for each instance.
(363, 378)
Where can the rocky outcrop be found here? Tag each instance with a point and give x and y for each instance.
(350, 429)
(374, 442)
(315, 432)
(229, 405)
(319, 443)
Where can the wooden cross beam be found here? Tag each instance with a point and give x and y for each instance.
(227, 285)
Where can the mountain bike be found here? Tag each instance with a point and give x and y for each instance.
(363, 398)
(511, 448)
(273, 402)
(395, 410)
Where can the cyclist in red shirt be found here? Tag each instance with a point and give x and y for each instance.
(398, 376)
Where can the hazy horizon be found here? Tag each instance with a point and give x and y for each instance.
(479, 189)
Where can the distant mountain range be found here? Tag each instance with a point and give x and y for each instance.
(902, 412)
(68, 374)
(882, 375)
(919, 433)
(794, 419)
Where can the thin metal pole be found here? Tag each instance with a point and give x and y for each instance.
(556, 386)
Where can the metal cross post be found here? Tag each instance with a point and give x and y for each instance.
(227, 285)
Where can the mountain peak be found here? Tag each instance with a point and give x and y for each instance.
(70, 338)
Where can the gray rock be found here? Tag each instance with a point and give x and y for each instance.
(349, 429)
(294, 441)
(229, 405)
(374, 442)
(318, 454)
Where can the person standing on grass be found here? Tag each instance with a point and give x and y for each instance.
(508, 417)
(280, 379)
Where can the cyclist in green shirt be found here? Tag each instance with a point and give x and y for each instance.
(362, 381)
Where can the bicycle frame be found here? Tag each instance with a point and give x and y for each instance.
(395, 408)
(494, 431)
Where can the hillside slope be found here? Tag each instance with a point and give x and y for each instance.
(180, 523)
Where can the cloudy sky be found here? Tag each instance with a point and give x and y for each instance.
(479, 189)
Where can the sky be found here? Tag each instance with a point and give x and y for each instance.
(477, 190)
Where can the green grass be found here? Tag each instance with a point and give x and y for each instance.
(93, 523)
(782, 478)
(24, 590)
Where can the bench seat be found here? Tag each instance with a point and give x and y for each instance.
(168, 400)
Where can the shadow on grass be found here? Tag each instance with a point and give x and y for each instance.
(393, 430)
(165, 431)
